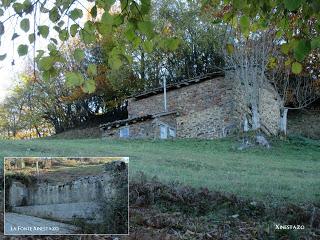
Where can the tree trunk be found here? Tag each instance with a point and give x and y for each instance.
(142, 66)
(255, 117)
(245, 124)
(37, 131)
(283, 121)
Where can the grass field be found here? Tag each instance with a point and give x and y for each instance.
(289, 171)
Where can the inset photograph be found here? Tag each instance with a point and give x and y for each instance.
(66, 195)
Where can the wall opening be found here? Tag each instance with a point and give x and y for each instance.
(124, 132)
(163, 131)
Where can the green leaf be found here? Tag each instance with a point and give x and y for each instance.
(105, 25)
(315, 43)
(27, 6)
(57, 28)
(74, 79)
(118, 20)
(292, 5)
(76, 13)
(145, 6)
(244, 23)
(14, 36)
(146, 28)
(302, 49)
(18, 8)
(78, 54)
(296, 68)
(43, 9)
(2, 57)
(74, 30)
(51, 47)
(89, 86)
(94, 11)
(285, 48)
(54, 15)
(130, 35)
(234, 22)
(61, 23)
(230, 48)
(1, 28)
(22, 50)
(288, 62)
(136, 42)
(39, 55)
(32, 38)
(104, 29)
(172, 43)
(106, 3)
(272, 62)
(46, 63)
(107, 18)
(6, 3)
(115, 62)
(87, 37)
(1, 12)
(87, 34)
(25, 24)
(54, 41)
(147, 46)
(92, 69)
(63, 35)
(43, 31)
(238, 4)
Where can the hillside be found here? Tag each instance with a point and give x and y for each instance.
(290, 171)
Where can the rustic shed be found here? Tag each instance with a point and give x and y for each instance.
(203, 107)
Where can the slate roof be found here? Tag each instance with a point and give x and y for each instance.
(179, 84)
(128, 121)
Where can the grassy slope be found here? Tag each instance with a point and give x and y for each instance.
(287, 172)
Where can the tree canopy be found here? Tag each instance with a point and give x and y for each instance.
(97, 53)
(296, 23)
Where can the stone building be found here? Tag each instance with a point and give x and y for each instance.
(203, 107)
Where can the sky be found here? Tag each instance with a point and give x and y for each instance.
(8, 71)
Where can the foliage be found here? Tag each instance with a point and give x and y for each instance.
(128, 14)
(115, 212)
(21, 112)
(199, 51)
(87, 86)
(296, 22)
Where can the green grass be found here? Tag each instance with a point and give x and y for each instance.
(290, 171)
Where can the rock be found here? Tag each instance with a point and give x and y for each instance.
(261, 140)
(245, 144)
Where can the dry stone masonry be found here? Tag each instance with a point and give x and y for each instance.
(206, 107)
(81, 198)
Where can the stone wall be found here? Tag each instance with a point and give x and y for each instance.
(94, 187)
(138, 130)
(81, 198)
(206, 109)
(208, 124)
(185, 100)
(147, 129)
(304, 123)
(269, 109)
